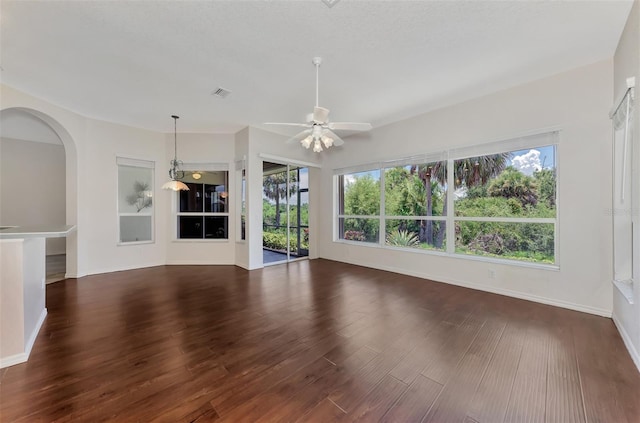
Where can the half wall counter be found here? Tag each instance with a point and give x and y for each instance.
(22, 287)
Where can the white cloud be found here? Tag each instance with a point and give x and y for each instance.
(527, 163)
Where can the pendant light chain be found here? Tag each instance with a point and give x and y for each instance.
(175, 173)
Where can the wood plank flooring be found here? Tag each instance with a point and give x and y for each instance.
(312, 341)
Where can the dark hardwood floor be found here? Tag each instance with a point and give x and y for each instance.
(312, 341)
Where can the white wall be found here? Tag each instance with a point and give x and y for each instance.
(32, 186)
(22, 297)
(105, 142)
(11, 298)
(199, 148)
(627, 64)
(261, 143)
(578, 102)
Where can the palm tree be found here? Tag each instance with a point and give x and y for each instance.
(473, 171)
(426, 173)
(275, 188)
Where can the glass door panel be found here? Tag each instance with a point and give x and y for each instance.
(285, 212)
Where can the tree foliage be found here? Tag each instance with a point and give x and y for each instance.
(514, 184)
(140, 197)
(362, 196)
(275, 189)
(546, 183)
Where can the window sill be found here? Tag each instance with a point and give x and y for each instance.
(200, 241)
(626, 289)
(125, 243)
(530, 265)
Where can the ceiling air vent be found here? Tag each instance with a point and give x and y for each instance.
(330, 3)
(221, 92)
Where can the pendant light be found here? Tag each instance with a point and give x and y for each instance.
(175, 173)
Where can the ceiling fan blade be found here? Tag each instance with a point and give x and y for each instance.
(298, 137)
(320, 114)
(336, 139)
(349, 126)
(303, 125)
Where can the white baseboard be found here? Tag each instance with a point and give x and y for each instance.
(12, 360)
(24, 356)
(633, 352)
(535, 298)
(196, 263)
(501, 291)
(123, 268)
(34, 334)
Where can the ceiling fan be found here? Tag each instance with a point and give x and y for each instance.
(319, 130)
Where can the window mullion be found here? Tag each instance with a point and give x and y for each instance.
(382, 227)
(451, 229)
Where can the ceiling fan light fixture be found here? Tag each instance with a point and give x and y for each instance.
(306, 143)
(318, 130)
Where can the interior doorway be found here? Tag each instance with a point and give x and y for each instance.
(285, 212)
(28, 142)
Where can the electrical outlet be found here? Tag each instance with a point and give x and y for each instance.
(492, 274)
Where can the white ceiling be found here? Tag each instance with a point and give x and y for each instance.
(138, 62)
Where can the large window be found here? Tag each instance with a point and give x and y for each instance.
(494, 201)
(506, 205)
(415, 203)
(135, 200)
(203, 211)
(359, 206)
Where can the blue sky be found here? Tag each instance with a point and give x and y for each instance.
(529, 160)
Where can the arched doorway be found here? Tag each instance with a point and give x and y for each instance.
(39, 180)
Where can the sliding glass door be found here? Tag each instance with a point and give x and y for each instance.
(285, 212)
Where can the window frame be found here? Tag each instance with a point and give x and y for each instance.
(342, 216)
(203, 167)
(548, 137)
(241, 205)
(140, 164)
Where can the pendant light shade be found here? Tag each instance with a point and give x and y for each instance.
(175, 173)
(175, 185)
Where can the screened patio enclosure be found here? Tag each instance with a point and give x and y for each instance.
(285, 216)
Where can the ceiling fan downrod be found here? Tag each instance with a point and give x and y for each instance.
(317, 61)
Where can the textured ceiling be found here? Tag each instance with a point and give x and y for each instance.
(138, 62)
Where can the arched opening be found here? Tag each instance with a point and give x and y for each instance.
(38, 178)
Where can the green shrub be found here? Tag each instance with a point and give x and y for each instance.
(402, 239)
(278, 241)
(354, 235)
